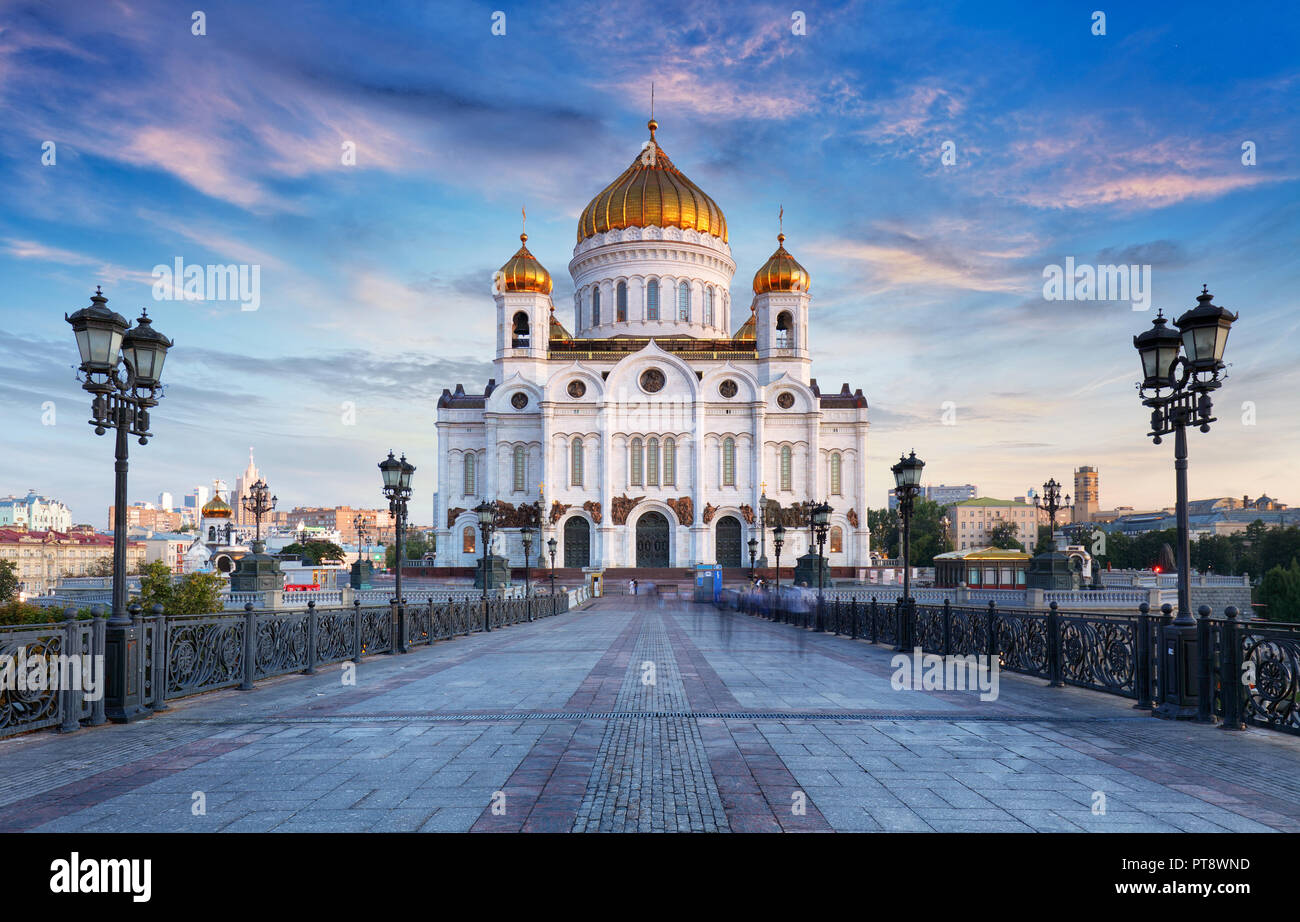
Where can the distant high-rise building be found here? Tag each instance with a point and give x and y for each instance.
(165, 501)
(243, 482)
(943, 494)
(1086, 494)
(196, 498)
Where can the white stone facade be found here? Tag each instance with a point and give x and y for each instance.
(653, 409)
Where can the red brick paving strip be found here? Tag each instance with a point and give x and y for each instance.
(544, 793)
(756, 787)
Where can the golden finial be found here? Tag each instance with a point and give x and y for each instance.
(523, 223)
(780, 222)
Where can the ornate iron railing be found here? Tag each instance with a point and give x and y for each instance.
(1113, 653)
(61, 695)
(1262, 683)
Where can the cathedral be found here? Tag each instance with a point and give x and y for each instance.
(652, 435)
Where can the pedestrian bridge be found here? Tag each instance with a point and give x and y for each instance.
(646, 714)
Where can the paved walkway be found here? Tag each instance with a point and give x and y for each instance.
(648, 715)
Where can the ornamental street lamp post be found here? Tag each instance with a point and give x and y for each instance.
(121, 366)
(778, 539)
(397, 487)
(527, 535)
(550, 546)
(1203, 334)
(820, 519)
(487, 514)
(762, 526)
(753, 555)
(1050, 502)
(907, 485)
(258, 503)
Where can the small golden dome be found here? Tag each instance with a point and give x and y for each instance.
(557, 329)
(216, 508)
(524, 273)
(748, 331)
(652, 193)
(781, 272)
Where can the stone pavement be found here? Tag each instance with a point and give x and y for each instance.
(648, 715)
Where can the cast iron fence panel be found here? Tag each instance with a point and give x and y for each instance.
(1099, 652)
(1021, 640)
(884, 619)
(282, 643)
(30, 709)
(1271, 650)
(204, 652)
(419, 624)
(335, 633)
(376, 630)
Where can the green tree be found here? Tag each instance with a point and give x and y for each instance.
(883, 525)
(928, 535)
(414, 546)
(197, 594)
(8, 581)
(1279, 593)
(101, 566)
(1045, 542)
(313, 552)
(1004, 535)
(193, 594)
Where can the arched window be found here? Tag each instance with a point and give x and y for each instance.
(786, 465)
(708, 307)
(683, 301)
(595, 307)
(467, 540)
(520, 469)
(468, 487)
(837, 540)
(784, 330)
(575, 463)
(728, 462)
(670, 462)
(652, 463)
(634, 463)
(520, 336)
(212, 533)
(620, 303)
(652, 300)
(836, 467)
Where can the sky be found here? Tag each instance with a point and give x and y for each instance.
(228, 147)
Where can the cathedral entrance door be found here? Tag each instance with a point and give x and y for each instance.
(727, 536)
(577, 543)
(652, 540)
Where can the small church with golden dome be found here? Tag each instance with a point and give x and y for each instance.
(652, 433)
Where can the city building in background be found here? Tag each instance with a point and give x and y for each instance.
(34, 512)
(1086, 494)
(342, 521)
(942, 493)
(168, 547)
(971, 522)
(147, 517)
(41, 558)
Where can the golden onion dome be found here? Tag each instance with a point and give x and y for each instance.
(781, 272)
(652, 193)
(748, 331)
(216, 508)
(522, 272)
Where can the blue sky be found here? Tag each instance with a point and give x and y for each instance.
(375, 277)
